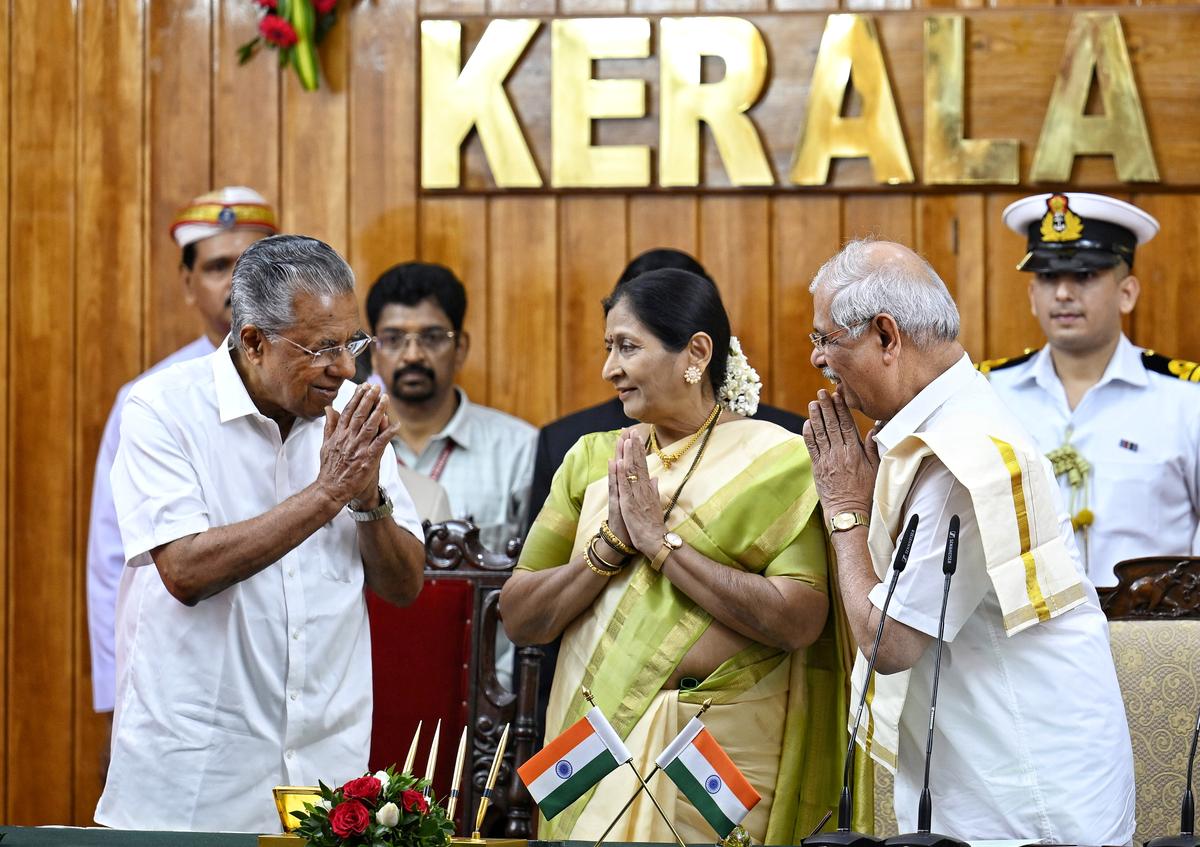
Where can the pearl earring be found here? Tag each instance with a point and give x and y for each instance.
(692, 375)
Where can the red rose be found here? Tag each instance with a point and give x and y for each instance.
(413, 801)
(268, 4)
(323, 7)
(364, 788)
(277, 31)
(349, 818)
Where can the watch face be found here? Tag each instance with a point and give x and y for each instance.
(844, 520)
(672, 540)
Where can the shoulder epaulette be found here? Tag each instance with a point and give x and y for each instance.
(1178, 368)
(989, 365)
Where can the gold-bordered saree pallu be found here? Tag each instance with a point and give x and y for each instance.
(1028, 562)
(750, 505)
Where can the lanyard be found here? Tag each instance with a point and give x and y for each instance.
(439, 464)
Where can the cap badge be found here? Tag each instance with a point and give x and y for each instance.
(1060, 223)
(227, 217)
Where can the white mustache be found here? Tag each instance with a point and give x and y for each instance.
(830, 374)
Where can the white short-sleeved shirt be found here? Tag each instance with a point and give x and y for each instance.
(1031, 738)
(266, 683)
(105, 555)
(1140, 432)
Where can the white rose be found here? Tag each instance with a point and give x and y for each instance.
(388, 815)
(383, 779)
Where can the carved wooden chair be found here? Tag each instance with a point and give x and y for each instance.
(1154, 614)
(437, 659)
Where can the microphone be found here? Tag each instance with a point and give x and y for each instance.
(1187, 812)
(923, 837)
(844, 836)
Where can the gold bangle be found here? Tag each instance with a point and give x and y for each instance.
(616, 566)
(614, 542)
(587, 558)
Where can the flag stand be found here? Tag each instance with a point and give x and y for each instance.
(643, 786)
(625, 808)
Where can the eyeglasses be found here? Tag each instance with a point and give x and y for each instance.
(327, 356)
(821, 341)
(432, 340)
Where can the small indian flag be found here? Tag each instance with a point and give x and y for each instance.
(572, 763)
(708, 778)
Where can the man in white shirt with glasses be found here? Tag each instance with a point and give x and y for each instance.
(256, 492)
(212, 231)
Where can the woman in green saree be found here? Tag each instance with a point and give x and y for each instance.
(684, 559)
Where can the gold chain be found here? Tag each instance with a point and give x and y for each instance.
(669, 459)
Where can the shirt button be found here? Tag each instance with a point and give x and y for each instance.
(295, 695)
(291, 754)
(295, 635)
(291, 571)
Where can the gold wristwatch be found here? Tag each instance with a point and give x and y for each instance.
(843, 521)
(671, 543)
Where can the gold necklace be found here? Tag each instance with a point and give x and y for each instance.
(669, 459)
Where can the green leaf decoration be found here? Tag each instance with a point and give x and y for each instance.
(246, 51)
(304, 53)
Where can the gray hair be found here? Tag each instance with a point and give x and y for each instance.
(273, 271)
(864, 286)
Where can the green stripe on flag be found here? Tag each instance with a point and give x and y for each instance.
(578, 784)
(699, 797)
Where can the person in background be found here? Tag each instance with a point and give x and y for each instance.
(481, 456)
(1120, 424)
(212, 231)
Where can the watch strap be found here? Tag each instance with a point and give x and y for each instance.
(383, 510)
(857, 519)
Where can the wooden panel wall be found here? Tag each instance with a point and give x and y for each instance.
(113, 113)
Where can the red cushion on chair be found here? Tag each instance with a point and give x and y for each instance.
(421, 656)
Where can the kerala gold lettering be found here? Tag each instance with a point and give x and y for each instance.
(850, 51)
(722, 105)
(1095, 43)
(577, 99)
(951, 158)
(454, 102)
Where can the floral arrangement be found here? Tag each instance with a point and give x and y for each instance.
(294, 28)
(384, 810)
(742, 387)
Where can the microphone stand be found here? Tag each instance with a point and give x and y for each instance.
(1187, 812)
(923, 837)
(844, 836)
